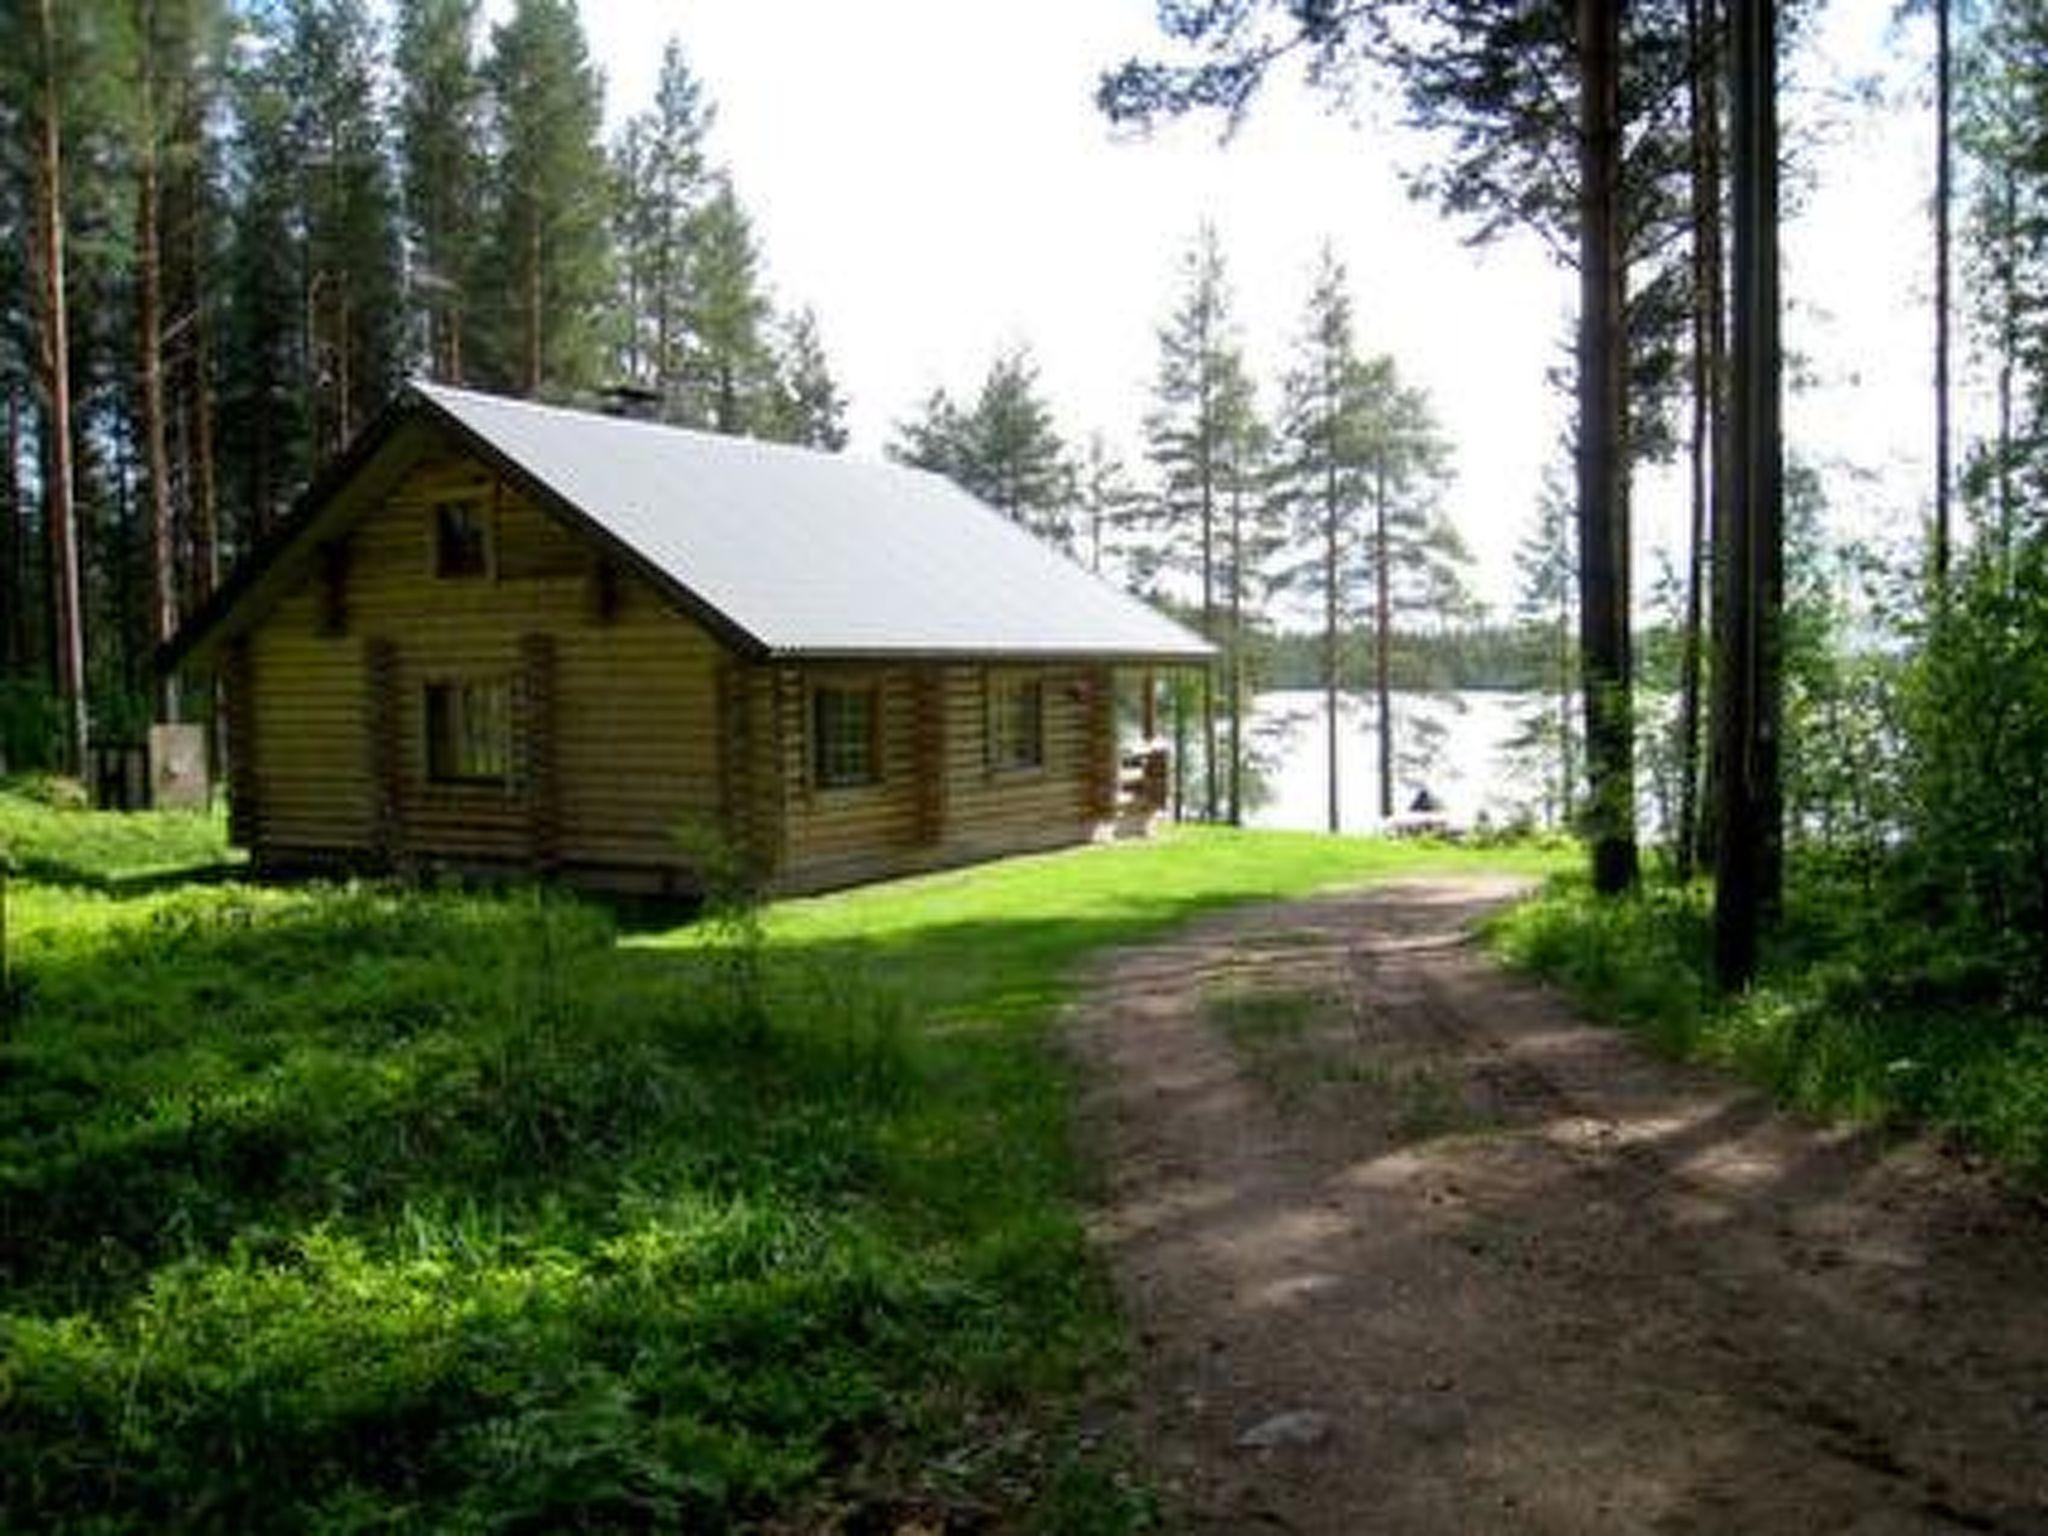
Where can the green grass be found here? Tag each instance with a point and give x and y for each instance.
(1853, 1017)
(351, 1207)
(57, 843)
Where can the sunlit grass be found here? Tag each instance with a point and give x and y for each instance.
(351, 1206)
(1870, 1021)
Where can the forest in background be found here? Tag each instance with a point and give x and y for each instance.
(229, 231)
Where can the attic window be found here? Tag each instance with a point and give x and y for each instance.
(462, 545)
(846, 748)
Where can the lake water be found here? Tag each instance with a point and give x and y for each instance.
(1472, 774)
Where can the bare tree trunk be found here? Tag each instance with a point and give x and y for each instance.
(1383, 636)
(1236, 652)
(1603, 406)
(1330, 634)
(14, 573)
(1748, 851)
(54, 341)
(163, 559)
(1210, 795)
(1942, 194)
(1702, 28)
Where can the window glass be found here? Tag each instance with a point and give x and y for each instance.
(461, 544)
(844, 750)
(469, 732)
(1016, 725)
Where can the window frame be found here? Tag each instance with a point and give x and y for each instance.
(442, 733)
(1001, 685)
(831, 780)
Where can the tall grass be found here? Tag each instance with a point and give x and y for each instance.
(1871, 1020)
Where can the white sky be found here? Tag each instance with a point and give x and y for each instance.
(932, 177)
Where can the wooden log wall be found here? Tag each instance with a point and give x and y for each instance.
(626, 747)
(383, 710)
(538, 750)
(238, 687)
(937, 774)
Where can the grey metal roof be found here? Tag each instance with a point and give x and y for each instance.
(817, 554)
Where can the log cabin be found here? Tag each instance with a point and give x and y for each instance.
(505, 636)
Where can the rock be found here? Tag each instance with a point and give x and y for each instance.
(1299, 1426)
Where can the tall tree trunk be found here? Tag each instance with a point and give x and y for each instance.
(1236, 652)
(1330, 634)
(14, 571)
(1702, 29)
(1603, 406)
(54, 342)
(1942, 192)
(1383, 638)
(163, 560)
(2008, 350)
(1748, 848)
(1211, 798)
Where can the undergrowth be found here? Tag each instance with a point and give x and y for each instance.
(1855, 1014)
(352, 1206)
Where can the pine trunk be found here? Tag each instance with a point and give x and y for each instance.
(1701, 29)
(1942, 194)
(1748, 849)
(54, 347)
(1383, 638)
(1330, 633)
(15, 647)
(1236, 656)
(1603, 403)
(163, 564)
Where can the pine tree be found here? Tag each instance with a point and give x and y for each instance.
(47, 51)
(265, 422)
(936, 438)
(348, 211)
(730, 366)
(1004, 450)
(541, 275)
(1187, 436)
(1017, 460)
(440, 132)
(1545, 742)
(1112, 513)
(663, 183)
(809, 409)
(1324, 426)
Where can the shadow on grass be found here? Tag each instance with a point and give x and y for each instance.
(324, 1205)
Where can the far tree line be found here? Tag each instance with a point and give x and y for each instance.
(229, 230)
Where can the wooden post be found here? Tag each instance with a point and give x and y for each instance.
(928, 753)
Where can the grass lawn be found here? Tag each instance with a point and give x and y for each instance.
(355, 1207)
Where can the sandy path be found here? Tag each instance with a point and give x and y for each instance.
(1508, 1272)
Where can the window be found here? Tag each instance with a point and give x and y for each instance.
(1016, 721)
(845, 742)
(461, 539)
(469, 732)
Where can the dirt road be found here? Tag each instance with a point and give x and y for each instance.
(1409, 1247)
